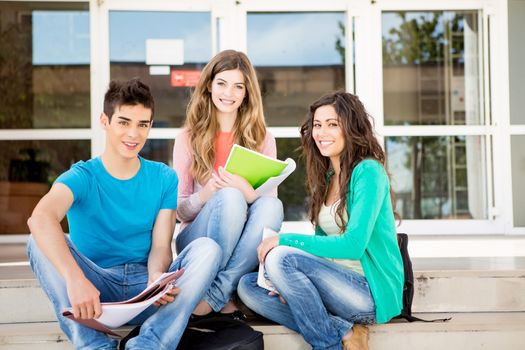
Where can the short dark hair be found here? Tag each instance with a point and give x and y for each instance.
(127, 93)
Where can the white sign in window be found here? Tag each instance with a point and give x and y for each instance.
(165, 52)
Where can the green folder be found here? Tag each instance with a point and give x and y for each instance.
(255, 167)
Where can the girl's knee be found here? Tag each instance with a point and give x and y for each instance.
(230, 195)
(276, 259)
(267, 203)
(243, 285)
(209, 246)
(269, 210)
(230, 202)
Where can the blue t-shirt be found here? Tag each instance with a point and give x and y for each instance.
(111, 220)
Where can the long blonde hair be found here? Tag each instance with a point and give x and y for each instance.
(249, 129)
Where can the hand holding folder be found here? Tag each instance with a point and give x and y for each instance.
(116, 314)
(262, 172)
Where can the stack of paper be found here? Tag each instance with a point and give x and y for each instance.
(117, 314)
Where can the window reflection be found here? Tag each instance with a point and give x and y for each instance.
(159, 151)
(44, 55)
(128, 55)
(301, 65)
(27, 170)
(518, 185)
(292, 192)
(516, 13)
(440, 177)
(431, 68)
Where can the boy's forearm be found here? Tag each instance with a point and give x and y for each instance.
(160, 255)
(159, 261)
(49, 237)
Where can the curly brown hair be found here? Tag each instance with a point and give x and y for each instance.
(360, 143)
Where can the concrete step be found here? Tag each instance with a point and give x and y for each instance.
(465, 331)
(441, 285)
(489, 284)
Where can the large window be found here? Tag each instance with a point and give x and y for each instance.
(431, 68)
(432, 76)
(44, 84)
(444, 89)
(517, 108)
(296, 69)
(27, 170)
(518, 172)
(293, 72)
(44, 75)
(167, 51)
(438, 177)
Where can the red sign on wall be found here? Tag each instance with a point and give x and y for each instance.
(185, 77)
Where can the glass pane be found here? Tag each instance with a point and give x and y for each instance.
(438, 177)
(292, 191)
(159, 151)
(431, 68)
(301, 65)
(516, 59)
(518, 185)
(187, 40)
(44, 75)
(27, 170)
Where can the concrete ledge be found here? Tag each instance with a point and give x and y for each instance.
(465, 331)
(441, 285)
(421, 245)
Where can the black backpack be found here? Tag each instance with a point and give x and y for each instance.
(220, 333)
(214, 333)
(408, 287)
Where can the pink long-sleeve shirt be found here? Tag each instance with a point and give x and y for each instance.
(189, 201)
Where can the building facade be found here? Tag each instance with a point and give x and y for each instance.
(442, 80)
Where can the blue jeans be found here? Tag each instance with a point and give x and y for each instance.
(323, 299)
(237, 228)
(162, 327)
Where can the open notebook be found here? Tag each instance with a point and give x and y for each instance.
(116, 314)
(262, 172)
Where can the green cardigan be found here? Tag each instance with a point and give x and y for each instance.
(370, 237)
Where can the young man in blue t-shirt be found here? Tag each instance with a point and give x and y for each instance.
(121, 214)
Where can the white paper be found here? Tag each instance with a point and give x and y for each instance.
(262, 280)
(159, 70)
(116, 314)
(275, 181)
(165, 52)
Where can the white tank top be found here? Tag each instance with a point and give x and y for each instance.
(327, 222)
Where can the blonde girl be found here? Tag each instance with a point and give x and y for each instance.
(225, 108)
